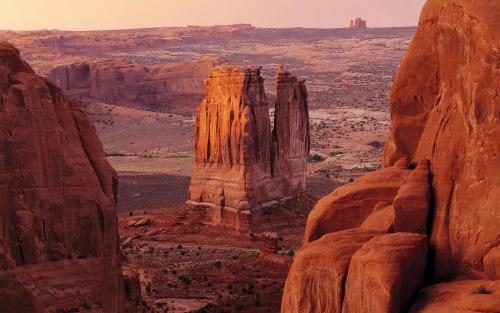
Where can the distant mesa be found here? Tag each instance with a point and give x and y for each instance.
(358, 23)
(173, 88)
(241, 164)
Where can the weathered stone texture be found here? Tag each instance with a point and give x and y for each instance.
(446, 122)
(160, 87)
(58, 229)
(240, 163)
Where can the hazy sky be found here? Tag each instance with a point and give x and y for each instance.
(117, 14)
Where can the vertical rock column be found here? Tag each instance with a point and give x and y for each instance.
(240, 163)
(291, 142)
(232, 145)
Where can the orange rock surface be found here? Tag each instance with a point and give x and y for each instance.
(386, 274)
(350, 205)
(240, 164)
(445, 109)
(412, 203)
(58, 229)
(316, 279)
(445, 121)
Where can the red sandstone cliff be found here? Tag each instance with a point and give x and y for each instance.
(441, 220)
(162, 87)
(240, 163)
(58, 230)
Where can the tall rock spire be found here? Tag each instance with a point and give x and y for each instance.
(240, 163)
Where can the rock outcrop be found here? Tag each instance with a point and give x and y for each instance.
(357, 23)
(385, 274)
(161, 87)
(445, 108)
(58, 229)
(240, 164)
(445, 122)
(326, 262)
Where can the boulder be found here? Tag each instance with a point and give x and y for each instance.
(386, 274)
(315, 283)
(412, 203)
(350, 205)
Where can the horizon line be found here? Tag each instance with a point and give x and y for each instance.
(193, 26)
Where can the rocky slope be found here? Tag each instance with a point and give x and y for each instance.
(439, 185)
(240, 163)
(159, 87)
(58, 228)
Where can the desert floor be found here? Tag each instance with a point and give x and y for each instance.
(188, 266)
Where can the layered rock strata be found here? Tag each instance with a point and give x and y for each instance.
(58, 230)
(160, 87)
(240, 163)
(437, 197)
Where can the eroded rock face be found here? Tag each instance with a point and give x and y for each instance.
(350, 205)
(445, 108)
(316, 279)
(240, 163)
(58, 233)
(162, 87)
(412, 203)
(445, 122)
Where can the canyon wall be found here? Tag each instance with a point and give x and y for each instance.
(432, 214)
(240, 164)
(162, 87)
(58, 226)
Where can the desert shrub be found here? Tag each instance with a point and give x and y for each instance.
(185, 279)
(177, 156)
(335, 153)
(114, 154)
(218, 264)
(315, 158)
(291, 253)
(481, 290)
